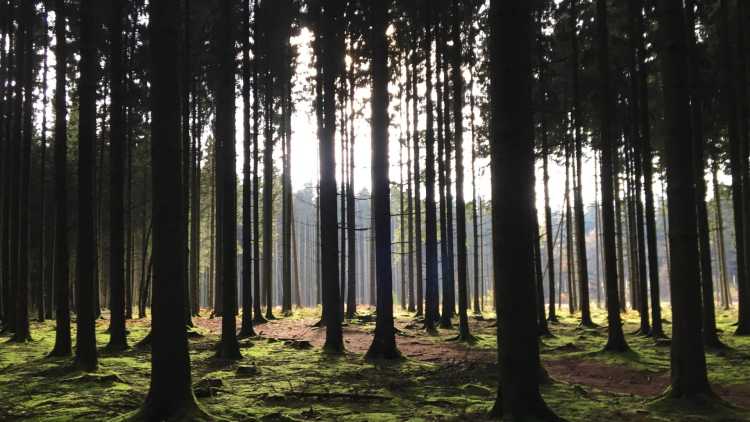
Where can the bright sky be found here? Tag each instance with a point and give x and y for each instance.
(305, 144)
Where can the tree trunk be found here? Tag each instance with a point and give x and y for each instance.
(228, 347)
(432, 295)
(458, 119)
(743, 284)
(384, 343)
(688, 362)
(710, 337)
(331, 50)
(444, 275)
(44, 298)
(170, 395)
(247, 300)
(258, 313)
(61, 260)
(117, 339)
(616, 338)
(351, 211)
(647, 165)
(512, 151)
(86, 355)
(417, 186)
(268, 206)
(583, 271)
(410, 200)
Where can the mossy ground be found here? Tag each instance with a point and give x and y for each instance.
(438, 379)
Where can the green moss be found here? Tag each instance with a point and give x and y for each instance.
(296, 385)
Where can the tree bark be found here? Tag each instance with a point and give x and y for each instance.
(117, 340)
(331, 50)
(688, 362)
(247, 300)
(170, 395)
(384, 343)
(86, 355)
(512, 152)
(61, 259)
(616, 339)
(228, 347)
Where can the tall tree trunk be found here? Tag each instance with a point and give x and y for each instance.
(384, 343)
(170, 395)
(351, 210)
(186, 74)
(458, 119)
(331, 49)
(8, 163)
(616, 338)
(25, 48)
(512, 151)
(449, 282)
(636, 139)
(647, 165)
(619, 228)
(247, 300)
(117, 340)
(688, 362)
(569, 252)
(228, 347)
(44, 299)
(441, 90)
(258, 313)
(61, 259)
(710, 337)
(417, 177)
(743, 284)
(410, 96)
(86, 355)
(432, 294)
(268, 205)
(474, 198)
(583, 269)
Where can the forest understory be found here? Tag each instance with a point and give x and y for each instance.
(285, 376)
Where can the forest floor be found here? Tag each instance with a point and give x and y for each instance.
(285, 377)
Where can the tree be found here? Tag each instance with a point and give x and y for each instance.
(61, 260)
(256, 177)
(332, 43)
(170, 395)
(512, 152)
(458, 119)
(86, 255)
(228, 347)
(417, 242)
(616, 338)
(710, 336)
(583, 269)
(247, 240)
(384, 344)
(648, 169)
(117, 339)
(25, 53)
(431, 281)
(636, 102)
(688, 361)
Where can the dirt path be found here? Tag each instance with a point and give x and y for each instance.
(415, 343)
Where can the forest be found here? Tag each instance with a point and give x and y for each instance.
(375, 210)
